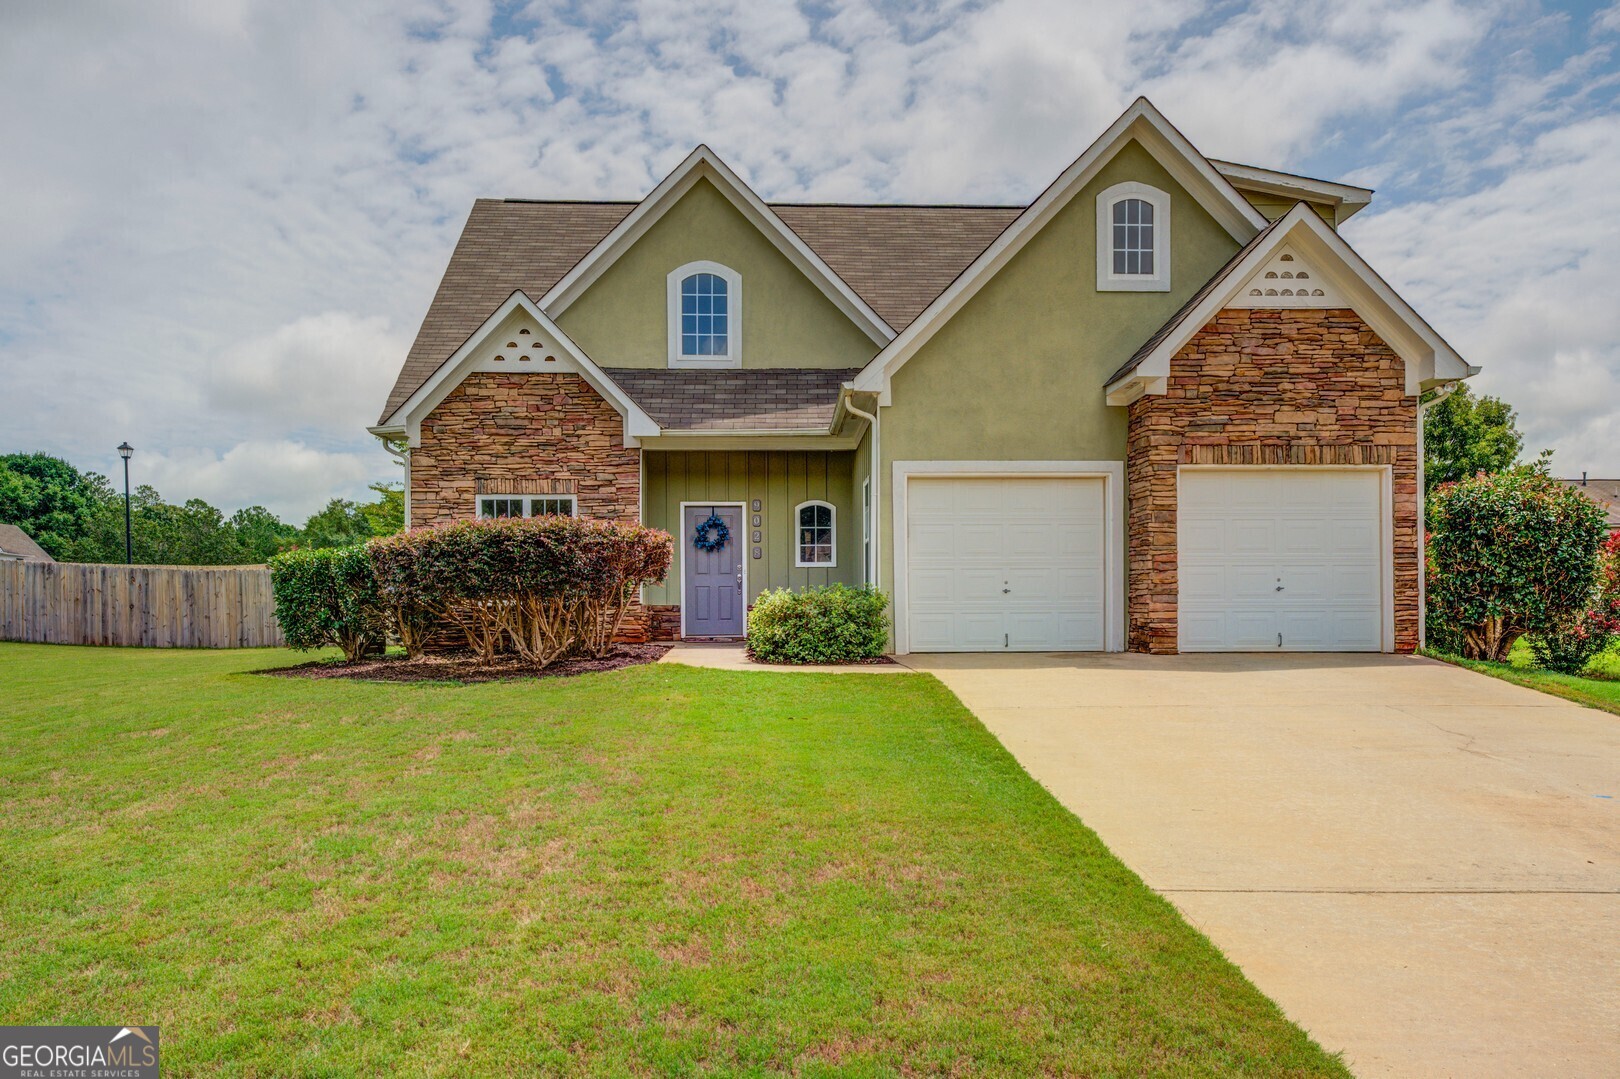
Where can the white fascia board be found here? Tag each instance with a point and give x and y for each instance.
(1346, 197)
(704, 163)
(1159, 137)
(1424, 353)
(407, 419)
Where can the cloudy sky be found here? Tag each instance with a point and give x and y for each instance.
(222, 220)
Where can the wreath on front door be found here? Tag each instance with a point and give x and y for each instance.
(712, 534)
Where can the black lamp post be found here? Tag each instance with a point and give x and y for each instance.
(126, 451)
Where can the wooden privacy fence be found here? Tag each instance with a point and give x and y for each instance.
(149, 606)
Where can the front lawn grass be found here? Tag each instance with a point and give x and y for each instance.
(659, 870)
(1597, 687)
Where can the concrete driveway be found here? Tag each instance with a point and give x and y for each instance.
(1420, 864)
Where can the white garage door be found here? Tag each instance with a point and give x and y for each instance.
(1280, 559)
(1000, 564)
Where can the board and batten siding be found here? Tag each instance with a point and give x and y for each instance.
(781, 480)
(145, 606)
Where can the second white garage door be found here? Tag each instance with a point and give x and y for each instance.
(1277, 558)
(1005, 564)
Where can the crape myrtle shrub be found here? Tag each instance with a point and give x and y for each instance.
(1509, 553)
(543, 587)
(327, 597)
(1570, 643)
(818, 625)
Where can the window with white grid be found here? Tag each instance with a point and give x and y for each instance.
(815, 542)
(1133, 239)
(526, 505)
(705, 316)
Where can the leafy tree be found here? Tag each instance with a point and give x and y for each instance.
(386, 515)
(49, 499)
(339, 524)
(1464, 435)
(1509, 553)
(192, 534)
(261, 534)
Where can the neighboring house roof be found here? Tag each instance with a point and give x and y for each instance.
(736, 399)
(1427, 356)
(1606, 493)
(17, 545)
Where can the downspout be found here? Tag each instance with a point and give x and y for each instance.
(404, 458)
(876, 524)
(1440, 394)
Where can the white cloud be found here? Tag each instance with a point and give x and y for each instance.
(289, 478)
(218, 213)
(328, 371)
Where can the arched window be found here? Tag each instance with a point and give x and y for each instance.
(1133, 239)
(705, 316)
(815, 543)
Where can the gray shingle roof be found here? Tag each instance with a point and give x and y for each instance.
(1606, 493)
(755, 399)
(896, 258)
(15, 543)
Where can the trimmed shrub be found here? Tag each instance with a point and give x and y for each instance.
(834, 624)
(1509, 553)
(1569, 644)
(328, 597)
(543, 587)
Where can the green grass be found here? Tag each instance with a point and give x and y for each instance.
(1597, 687)
(659, 870)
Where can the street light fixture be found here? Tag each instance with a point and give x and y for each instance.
(126, 451)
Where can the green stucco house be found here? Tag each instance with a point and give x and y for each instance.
(1163, 407)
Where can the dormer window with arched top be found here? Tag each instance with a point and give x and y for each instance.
(705, 316)
(1133, 239)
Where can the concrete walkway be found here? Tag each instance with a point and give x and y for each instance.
(1420, 864)
(733, 657)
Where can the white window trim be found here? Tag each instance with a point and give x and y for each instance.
(1159, 279)
(478, 503)
(798, 548)
(866, 531)
(733, 280)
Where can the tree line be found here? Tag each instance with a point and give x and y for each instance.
(79, 517)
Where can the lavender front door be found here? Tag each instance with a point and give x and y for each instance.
(714, 601)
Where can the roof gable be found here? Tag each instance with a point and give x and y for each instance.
(1141, 123)
(1299, 241)
(705, 164)
(549, 349)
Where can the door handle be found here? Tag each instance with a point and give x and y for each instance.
(1279, 588)
(1005, 591)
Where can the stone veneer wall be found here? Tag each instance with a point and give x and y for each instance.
(531, 433)
(1267, 387)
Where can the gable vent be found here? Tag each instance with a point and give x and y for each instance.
(1286, 280)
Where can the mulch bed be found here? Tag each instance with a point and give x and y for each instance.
(464, 667)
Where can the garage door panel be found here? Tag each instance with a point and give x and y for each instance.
(1005, 563)
(1316, 533)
